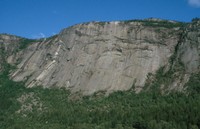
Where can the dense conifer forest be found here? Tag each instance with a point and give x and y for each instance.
(22, 108)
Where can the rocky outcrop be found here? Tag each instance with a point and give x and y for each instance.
(101, 56)
(8, 45)
(184, 63)
(189, 51)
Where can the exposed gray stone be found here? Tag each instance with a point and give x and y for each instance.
(98, 56)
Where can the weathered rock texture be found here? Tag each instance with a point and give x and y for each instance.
(103, 56)
(8, 45)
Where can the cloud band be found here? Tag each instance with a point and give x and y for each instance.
(194, 3)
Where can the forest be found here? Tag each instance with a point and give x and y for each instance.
(30, 108)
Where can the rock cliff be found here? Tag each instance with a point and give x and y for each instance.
(105, 56)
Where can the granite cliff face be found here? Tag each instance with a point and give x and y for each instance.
(106, 56)
(7, 46)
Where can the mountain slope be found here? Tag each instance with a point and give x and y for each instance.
(110, 56)
(157, 106)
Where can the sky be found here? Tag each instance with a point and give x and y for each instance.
(44, 18)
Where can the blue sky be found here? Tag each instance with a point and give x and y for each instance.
(43, 18)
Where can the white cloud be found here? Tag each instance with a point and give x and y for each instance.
(194, 3)
(42, 35)
(38, 36)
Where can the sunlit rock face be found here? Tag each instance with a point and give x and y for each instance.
(97, 56)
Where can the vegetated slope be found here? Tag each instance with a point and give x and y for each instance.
(50, 108)
(157, 106)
